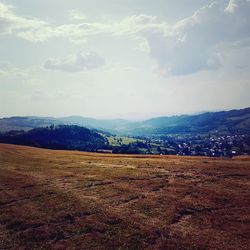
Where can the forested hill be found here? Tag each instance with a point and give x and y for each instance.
(224, 122)
(59, 137)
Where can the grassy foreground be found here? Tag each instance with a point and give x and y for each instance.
(75, 200)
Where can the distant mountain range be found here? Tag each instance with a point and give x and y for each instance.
(223, 122)
(30, 122)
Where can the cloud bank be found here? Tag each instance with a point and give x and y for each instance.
(197, 42)
(190, 45)
(78, 63)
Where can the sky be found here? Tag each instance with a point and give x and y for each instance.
(130, 59)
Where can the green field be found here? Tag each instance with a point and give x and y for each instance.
(118, 140)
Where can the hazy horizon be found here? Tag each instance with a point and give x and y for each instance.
(123, 59)
(128, 116)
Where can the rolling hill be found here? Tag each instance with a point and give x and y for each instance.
(69, 137)
(224, 122)
(30, 122)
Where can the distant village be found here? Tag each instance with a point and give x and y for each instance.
(190, 145)
(228, 146)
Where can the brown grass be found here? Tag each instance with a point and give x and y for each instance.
(74, 200)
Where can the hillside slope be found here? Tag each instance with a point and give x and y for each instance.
(224, 122)
(74, 200)
(60, 137)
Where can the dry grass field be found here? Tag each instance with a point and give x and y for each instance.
(75, 200)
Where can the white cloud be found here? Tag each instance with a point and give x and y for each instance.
(78, 63)
(36, 30)
(194, 43)
(31, 29)
(233, 5)
(7, 70)
(188, 46)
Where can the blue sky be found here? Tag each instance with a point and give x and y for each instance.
(123, 58)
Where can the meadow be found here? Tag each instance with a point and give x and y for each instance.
(51, 199)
